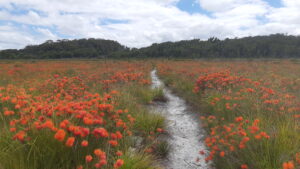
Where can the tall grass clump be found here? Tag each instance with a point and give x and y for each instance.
(252, 120)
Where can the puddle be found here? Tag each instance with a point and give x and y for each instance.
(186, 136)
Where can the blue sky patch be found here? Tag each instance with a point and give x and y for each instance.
(275, 3)
(17, 10)
(108, 21)
(192, 7)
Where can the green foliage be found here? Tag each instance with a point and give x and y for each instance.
(158, 95)
(82, 48)
(17, 155)
(147, 122)
(138, 161)
(272, 46)
(263, 154)
(162, 149)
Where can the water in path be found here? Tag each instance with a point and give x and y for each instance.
(186, 135)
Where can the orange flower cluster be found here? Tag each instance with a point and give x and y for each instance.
(243, 114)
(65, 108)
(288, 165)
(229, 138)
(70, 112)
(220, 81)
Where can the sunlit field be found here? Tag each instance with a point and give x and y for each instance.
(77, 114)
(250, 109)
(80, 114)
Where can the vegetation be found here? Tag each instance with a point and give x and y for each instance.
(82, 48)
(93, 114)
(272, 46)
(77, 115)
(249, 108)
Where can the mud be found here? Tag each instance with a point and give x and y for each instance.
(186, 136)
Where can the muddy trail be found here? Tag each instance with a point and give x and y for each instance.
(186, 136)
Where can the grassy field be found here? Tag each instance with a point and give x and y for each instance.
(77, 114)
(84, 114)
(249, 108)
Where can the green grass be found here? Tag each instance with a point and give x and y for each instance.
(266, 154)
(162, 149)
(42, 152)
(147, 122)
(158, 95)
(138, 160)
(47, 153)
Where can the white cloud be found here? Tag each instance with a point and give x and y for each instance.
(143, 21)
(220, 5)
(291, 3)
(12, 38)
(47, 34)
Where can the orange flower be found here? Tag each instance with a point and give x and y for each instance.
(244, 166)
(60, 135)
(20, 136)
(118, 163)
(103, 162)
(258, 136)
(88, 121)
(159, 130)
(288, 165)
(239, 119)
(298, 157)
(102, 132)
(8, 113)
(13, 129)
(70, 141)
(222, 154)
(100, 154)
(88, 158)
(84, 143)
(119, 153)
(113, 143)
(149, 150)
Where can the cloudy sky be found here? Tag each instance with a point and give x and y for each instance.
(138, 23)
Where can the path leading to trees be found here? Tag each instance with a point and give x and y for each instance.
(186, 135)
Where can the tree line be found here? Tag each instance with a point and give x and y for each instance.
(81, 48)
(271, 46)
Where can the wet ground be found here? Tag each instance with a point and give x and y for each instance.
(186, 135)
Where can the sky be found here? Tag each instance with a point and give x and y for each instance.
(139, 23)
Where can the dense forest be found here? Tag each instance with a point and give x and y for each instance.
(271, 46)
(82, 48)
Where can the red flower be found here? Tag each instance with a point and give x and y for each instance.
(113, 143)
(70, 141)
(118, 163)
(84, 143)
(239, 119)
(119, 153)
(88, 158)
(60, 135)
(244, 166)
(288, 165)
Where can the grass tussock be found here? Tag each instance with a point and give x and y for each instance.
(250, 110)
(77, 114)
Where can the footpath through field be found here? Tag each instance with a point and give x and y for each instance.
(186, 134)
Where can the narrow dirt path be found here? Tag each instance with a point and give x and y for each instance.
(186, 135)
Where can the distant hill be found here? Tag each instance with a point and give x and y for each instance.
(271, 46)
(82, 48)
